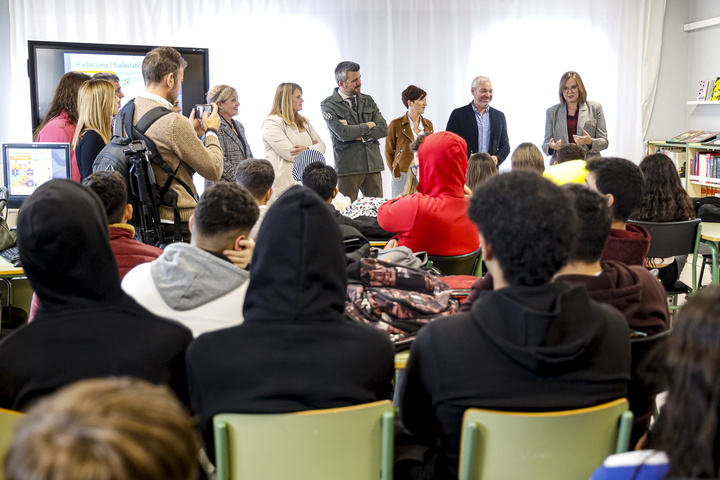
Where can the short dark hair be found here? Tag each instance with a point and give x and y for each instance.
(569, 151)
(528, 221)
(594, 222)
(159, 62)
(109, 76)
(342, 70)
(622, 179)
(412, 93)
(256, 175)
(321, 179)
(224, 212)
(111, 187)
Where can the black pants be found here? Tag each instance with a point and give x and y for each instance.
(169, 229)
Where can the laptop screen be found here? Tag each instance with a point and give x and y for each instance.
(26, 166)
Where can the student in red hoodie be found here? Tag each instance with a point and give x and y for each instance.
(434, 220)
(622, 183)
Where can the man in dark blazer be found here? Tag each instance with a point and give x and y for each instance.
(483, 128)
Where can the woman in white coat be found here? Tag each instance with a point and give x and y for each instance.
(286, 133)
(574, 119)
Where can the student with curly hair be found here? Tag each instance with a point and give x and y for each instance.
(528, 343)
(685, 437)
(664, 200)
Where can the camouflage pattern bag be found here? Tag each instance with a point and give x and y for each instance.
(396, 298)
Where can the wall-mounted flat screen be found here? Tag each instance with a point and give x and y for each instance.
(49, 61)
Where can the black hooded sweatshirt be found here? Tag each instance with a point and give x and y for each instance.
(295, 350)
(542, 348)
(86, 326)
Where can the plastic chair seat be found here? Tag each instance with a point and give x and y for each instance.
(352, 443)
(565, 445)
(457, 264)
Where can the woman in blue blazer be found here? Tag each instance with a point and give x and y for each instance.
(574, 119)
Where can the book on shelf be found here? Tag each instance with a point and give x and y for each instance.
(716, 90)
(709, 90)
(705, 168)
(676, 154)
(712, 143)
(693, 136)
(702, 92)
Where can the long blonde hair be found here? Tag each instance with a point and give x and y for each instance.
(96, 99)
(528, 157)
(283, 105)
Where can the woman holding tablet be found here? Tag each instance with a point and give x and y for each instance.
(574, 119)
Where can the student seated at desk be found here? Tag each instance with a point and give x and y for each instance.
(621, 182)
(112, 190)
(86, 326)
(202, 284)
(527, 345)
(664, 200)
(295, 350)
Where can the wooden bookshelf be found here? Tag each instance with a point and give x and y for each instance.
(676, 151)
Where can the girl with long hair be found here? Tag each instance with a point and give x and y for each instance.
(528, 157)
(96, 107)
(685, 435)
(286, 133)
(58, 125)
(664, 200)
(481, 166)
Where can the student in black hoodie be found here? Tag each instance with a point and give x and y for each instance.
(528, 344)
(86, 326)
(295, 350)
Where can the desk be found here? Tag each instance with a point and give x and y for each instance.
(401, 359)
(710, 235)
(8, 271)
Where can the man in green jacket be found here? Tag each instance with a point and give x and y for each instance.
(356, 125)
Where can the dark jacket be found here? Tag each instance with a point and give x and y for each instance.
(352, 156)
(296, 350)
(87, 149)
(540, 348)
(86, 326)
(629, 246)
(462, 121)
(633, 290)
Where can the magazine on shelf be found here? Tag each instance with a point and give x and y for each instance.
(693, 136)
(716, 90)
(702, 92)
(712, 143)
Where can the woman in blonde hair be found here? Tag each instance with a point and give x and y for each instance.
(528, 157)
(231, 133)
(286, 133)
(96, 106)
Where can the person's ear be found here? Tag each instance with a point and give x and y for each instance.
(127, 213)
(191, 221)
(487, 250)
(170, 80)
(334, 194)
(269, 195)
(236, 245)
(610, 199)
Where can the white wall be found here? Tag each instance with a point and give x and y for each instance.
(5, 118)
(703, 62)
(669, 112)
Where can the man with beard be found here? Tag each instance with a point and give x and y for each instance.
(176, 138)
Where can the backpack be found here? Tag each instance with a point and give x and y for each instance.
(395, 298)
(132, 156)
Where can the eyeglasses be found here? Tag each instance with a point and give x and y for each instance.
(571, 89)
(414, 169)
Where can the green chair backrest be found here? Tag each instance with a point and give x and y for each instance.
(350, 443)
(565, 445)
(8, 420)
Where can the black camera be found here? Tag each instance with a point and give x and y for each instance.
(202, 108)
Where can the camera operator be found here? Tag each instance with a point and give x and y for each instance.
(177, 140)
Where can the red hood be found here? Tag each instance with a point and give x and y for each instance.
(443, 164)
